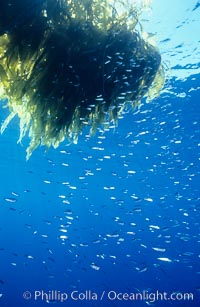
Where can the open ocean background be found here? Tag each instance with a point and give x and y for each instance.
(118, 211)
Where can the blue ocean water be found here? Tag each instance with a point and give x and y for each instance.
(117, 213)
(121, 201)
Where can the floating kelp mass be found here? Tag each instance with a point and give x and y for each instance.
(71, 63)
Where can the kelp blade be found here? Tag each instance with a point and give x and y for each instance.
(68, 64)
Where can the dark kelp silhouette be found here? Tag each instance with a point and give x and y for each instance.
(65, 64)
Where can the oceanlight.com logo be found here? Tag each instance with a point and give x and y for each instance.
(112, 295)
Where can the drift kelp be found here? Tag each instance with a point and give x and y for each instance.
(68, 64)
